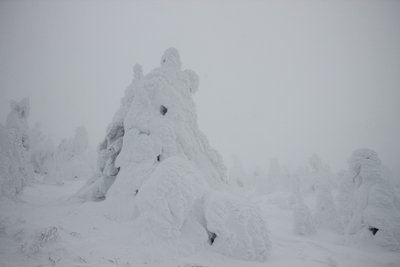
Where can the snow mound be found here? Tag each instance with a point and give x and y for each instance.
(240, 231)
(172, 195)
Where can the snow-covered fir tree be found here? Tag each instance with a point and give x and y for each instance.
(377, 206)
(346, 198)
(71, 159)
(303, 222)
(15, 169)
(325, 212)
(277, 179)
(42, 150)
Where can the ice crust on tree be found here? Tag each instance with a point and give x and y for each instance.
(377, 206)
(156, 167)
(15, 168)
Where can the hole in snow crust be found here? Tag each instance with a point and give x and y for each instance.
(163, 110)
(373, 230)
(212, 238)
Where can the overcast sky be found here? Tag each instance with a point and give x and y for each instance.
(281, 79)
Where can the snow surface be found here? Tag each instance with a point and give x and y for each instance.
(86, 237)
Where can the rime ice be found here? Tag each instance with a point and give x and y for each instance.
(15, 168)
(156, 166)
(377, 209)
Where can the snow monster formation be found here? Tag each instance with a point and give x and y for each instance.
(157, 168)
(15, 168)
(377, 207)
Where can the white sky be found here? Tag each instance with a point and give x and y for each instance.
(279, 79)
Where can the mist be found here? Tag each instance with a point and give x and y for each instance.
(282, 79)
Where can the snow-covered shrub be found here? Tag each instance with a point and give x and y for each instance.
(15, 169)
(377, 209)
(156, 167)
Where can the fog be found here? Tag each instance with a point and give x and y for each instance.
(281, 79)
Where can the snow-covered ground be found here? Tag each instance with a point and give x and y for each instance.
(44, 228)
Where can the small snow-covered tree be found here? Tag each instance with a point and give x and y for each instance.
(42, 150)
(320, 173)
(15, 169)
(377, 209)
(345, 198)
(278, 180)
(303, 222)
(71, 160)
(325, 212)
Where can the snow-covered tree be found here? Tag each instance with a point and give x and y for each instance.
(377, 209)
(325, 212)
(278, 180)
(42, 150)
(15, 169)
(320, 173)
(260, 181)
(157, 167)
(303, 222)
(70, 160)
(345, 198)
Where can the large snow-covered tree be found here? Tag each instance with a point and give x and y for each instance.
(156, 167)
(377, 206)
(15, 169)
